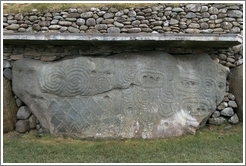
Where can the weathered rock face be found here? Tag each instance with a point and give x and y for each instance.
(9, 107)
(236, 84)
(143, 94)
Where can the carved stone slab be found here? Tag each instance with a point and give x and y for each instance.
(140, 94)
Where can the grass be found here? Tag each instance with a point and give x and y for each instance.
(13, 8)
(209, 145)
(9, 8)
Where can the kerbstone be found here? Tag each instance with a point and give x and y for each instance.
(148, 94)
(9, 107)
(236, 87)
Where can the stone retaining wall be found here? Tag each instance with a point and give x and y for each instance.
(186, 18)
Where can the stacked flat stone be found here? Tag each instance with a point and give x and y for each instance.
(231, 57)
(26, 121)
(225, 112)
(164, 18)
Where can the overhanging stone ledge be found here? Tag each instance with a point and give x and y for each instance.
(165, 40)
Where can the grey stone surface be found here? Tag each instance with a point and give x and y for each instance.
(232, 104)
(227, 111)
(18, 102)
(8, 73)
(222, 106)
(235, 13)
(22, 126)
(167, 40)
(9, 107)
(13, 26)
(32, 122)
(234, 119)
(217, 120)
(113, 30)
(148, 94)
(6, 64)
(216, 114)
(23, 113)
(236, 87)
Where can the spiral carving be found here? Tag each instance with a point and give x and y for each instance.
(102, 84)
(209, 87)
(128, 75)
(167, 94)
(66, 80)
(165, 110)
(54, 81)
(77, 80)
(143, 98)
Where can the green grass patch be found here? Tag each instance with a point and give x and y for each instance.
(9, 8)
(208, 145)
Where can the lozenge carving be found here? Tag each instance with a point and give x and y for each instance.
(142, 94)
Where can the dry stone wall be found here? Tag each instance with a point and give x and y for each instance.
(163, 18)
(185, 18)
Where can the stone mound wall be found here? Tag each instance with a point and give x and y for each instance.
(185, 18)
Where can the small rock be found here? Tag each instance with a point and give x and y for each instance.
(217, 121)
(134, 30)
(38, 126)
(193, 7)
(6, 64)
(22, 126)
(216, 114)
(8, 73)
(189, 30)
(222, 106)
(19, 17)
(239, 62)
(40, 130)
(65, 23)
(12, 21)
(48, 58)
(33, 18)
(232, 104)
(108, 15)
(227, 111)
(119, 13)
(101, 26)
(90, 22)
(23, 113)
(54, 27)
(73, 30)
(225, 99)
(173, 21)
(234, 119)
(190, 15)
(87, 15)
(235, 13)
(113, 30)
(19, 103)
(177, 9)
(231, 96)
(32, 122)
(132, 13)
(80, 21)
(229, 64)
(13, 27)
(45, 23)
